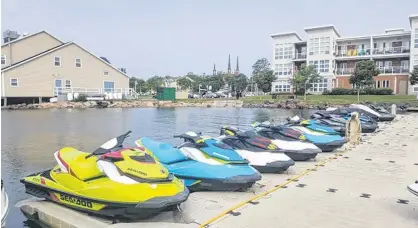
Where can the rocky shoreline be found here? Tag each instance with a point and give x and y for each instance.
(284, 104)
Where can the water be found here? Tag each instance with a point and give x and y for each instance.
(29, 138)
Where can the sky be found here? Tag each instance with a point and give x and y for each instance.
(173, 37)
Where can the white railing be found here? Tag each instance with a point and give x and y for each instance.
(383, 70)
(300, 55)
(391, 51)
(353, 52)
(94, 91)
(394, 70)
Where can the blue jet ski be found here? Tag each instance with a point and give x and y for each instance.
(322, 136)
(198, 175)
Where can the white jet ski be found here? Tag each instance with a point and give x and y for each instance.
(221, 151)
(4, 205)
(413, 188)
(380, 115)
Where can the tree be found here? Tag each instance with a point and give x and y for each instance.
(155, 82)
(239, 82)
(304, 78)
(184, 83)
(140, 85)
(363, 75)
(414, 76)
(263, 75)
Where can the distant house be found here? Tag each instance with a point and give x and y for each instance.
(40, 66)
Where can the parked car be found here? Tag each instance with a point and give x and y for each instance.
(194, 96)
(209, 94)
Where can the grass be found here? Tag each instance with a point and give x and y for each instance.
(320, 99)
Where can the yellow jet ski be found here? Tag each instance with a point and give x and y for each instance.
(115, 182)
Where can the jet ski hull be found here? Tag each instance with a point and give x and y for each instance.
(238, 183)
(98, 207)
(413, 188)
(329, 147)
(301, 155)
(4, 205)
(275, 167)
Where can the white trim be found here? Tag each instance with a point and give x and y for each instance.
(5, 59)
(75, 62)
(3, 91)
(104, 85)
(17, 82)
(25, 37)
(65, 83)
(60, 47)
(59, 61)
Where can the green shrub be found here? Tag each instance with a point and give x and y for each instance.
(365, 91)
(81, 98)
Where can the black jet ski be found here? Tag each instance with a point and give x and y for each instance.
(338, 122)
(377, 113)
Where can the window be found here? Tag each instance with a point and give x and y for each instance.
(320, 66)
(3, 59)
(57, 61)
(67, 83)
(320, 45)
(377, 84)
(416, 38)
(385, 84)
(283, 51)
(77, 62)
(105, 73)
(14, 82)
(283, 69)
(108, 86)
(319, 86)
(415, 60)
(415, 88)
(282, 87)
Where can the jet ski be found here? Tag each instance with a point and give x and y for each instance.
(200, 172)
(4, 205)
(338, 122)
(312, 125)
(219, 151)
(296, 149)
(377, 114)
(413, 188)
(112, 181)
(326, 142)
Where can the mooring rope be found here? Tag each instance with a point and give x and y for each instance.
(353, 129)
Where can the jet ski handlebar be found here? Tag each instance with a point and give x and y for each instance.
(189, 138)
(110, 145)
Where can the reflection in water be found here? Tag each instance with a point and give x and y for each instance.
(29, 138)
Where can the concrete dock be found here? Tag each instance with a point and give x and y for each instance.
(322, 193)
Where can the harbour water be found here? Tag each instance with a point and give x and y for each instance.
(29, 138)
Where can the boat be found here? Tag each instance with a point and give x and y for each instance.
(338, 122)
(222, 151)
(200, 172)
(112, 182)
(413, 188)
(4, 205)
(379, 114)
(321, 136)
(297, 148)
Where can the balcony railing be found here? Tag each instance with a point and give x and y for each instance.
(344, 71)
(353, 52)
(391, 51)
(383, 70)
(300, 55)
(394, 70)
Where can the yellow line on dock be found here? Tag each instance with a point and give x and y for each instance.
(206, 224)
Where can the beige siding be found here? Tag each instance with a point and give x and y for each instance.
(36, 78)
(27, 47)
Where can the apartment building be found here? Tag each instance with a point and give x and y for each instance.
(395, 53)
(39, 66)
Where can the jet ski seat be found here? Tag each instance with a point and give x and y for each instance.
(165, 152)
(221, 151)
(74, 162)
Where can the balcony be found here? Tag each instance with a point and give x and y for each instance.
(300, 56)
(383, 70)
(344, 71)
(394, 70)
(353, 53)
(392, 51)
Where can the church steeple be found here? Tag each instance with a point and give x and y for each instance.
(229, 64)
(214, 69)
(237, 69)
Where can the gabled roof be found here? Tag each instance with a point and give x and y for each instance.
(25, 37)
(56, 49)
